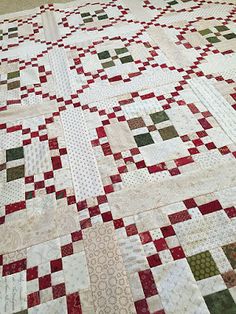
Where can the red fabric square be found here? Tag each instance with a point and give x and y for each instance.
(14, 267)
(148, 283)
(145, 237)
(106, 216)
(76, 236)
(94, 211)
(73, 303)
(32, 273)
(131, 230)
(231, 212)
(67, 249)
(179, 216)
(177, 252)
(160, 244)
(81, 205)
(58, 291)
(190, 203)
(154, 260)
(56, 162)
(102, 199)
(45, 282)
(118, 223)
(33, 299)
(56, 265)
(141, 307)
(168, 231)
(210, 207)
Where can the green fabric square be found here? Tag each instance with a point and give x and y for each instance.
(3, 166)
(14, 153)
(205, 31)
(88, 20)
(143, 139)
(221, 28)
(13, 85)
(172, 2)
(13, 35)
(126, 59)
(12, 29)
(220, 303)
(230, 36)
(121, 50)
(29, 195)
(103, 17)
(60, 195)
(22, 312)
(85, 14)
(213, 39)
(15, 173)
(136, 123)
(99, 11)
(230, 252)
(158, 117)
(12, 75)
(202, 265)
(103, 55)
(108, 64)
(168, 133)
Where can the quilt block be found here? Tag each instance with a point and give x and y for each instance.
(117, 158)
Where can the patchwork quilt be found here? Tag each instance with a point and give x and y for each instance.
(118, 158)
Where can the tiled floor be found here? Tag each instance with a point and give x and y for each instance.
(117, 158)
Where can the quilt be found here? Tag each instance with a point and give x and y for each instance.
(117, 158)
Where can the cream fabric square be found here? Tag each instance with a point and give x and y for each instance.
(120, 137)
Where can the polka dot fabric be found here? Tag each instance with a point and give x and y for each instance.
(86, 177)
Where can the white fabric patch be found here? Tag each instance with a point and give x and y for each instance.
(37, 158)
(205, 233)
(76, 272)
(176, 286)
(86, 177)
(60, 68)
(13, 292)
(12, 191)
(183, 120)
(216, 104)
(164, 151)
